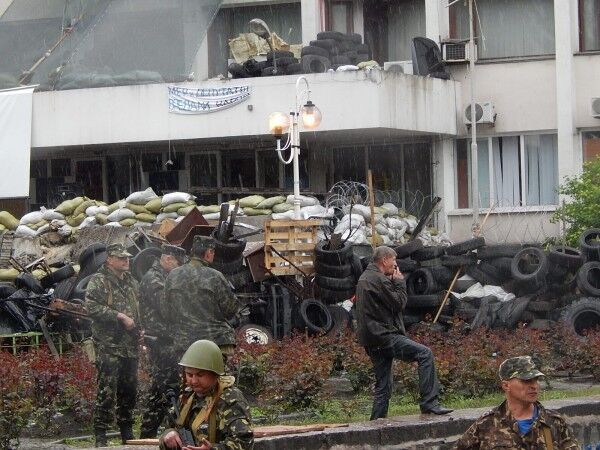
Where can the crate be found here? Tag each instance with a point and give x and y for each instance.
(295, 240)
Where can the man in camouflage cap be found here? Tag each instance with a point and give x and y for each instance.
(162, 363)
(111, 300)
(520, 422)
(199, 301)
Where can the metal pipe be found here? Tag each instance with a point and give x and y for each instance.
(474, 162)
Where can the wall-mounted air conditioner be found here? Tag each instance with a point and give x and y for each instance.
(484, 113)
(456, 52)
(596, 107)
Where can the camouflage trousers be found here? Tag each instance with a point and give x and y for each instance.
(166, 376)
(117, 385)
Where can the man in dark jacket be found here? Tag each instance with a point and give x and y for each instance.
(163, 370)
(380, 300)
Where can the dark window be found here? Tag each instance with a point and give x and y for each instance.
(591, 146)
(38, 169)
(589, 25)
(152, 162)
(203, 170)
(340, 16)
(60, 167)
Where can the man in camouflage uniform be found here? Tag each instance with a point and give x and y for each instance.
(212, 412)
(199, 302)
(520, 422)
(111, 300)
(163, 371)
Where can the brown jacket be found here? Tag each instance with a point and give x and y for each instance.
(379, 305)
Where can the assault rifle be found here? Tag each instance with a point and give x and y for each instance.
(187, 438)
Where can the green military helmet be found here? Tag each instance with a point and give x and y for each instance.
(204, 355)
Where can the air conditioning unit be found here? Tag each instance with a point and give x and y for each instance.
(456, 52)
(399, 67)
(596, 107)
(484, 113)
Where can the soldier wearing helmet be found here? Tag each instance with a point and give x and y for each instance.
(520, 422)
(211, 407)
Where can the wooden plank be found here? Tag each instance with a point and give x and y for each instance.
(292, 247)
(293, 223)
(295, 260)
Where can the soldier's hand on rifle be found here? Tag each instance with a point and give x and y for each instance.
(127, 321)
(173, 440)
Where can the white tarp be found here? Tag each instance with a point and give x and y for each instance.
(15, 141)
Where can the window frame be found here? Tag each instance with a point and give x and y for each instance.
(581, 25)
(349, 14)
(492, 185)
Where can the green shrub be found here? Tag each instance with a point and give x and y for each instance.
(581, 211)
(15, 404)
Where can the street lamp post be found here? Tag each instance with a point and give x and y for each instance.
(281, 124)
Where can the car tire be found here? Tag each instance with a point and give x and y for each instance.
(341, 318)
(314, 317)
(357, 269)
(315, 63)
(142, 262)
(327, 44)
(530, 265)
(330, 270)
(254, 334)
(406, 265)
(80, 287)
(64, 290)
(339, 256)
(463, 247)
(424, 301)
(336, 284)
(589, 243)
(311, 50)
(229, 267)
(498, 251)
(406, 250)
(27, 281)
(336, 35)
(421, 282)
(425, 253)
(66, 271)
(90, 251)
(6, 290)
(457, 261)
(582, 315)
(567, 257)
(329, 297)
(588, 278)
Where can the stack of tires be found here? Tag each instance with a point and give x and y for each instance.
(287, 64)
(333, 49)
(229, 260)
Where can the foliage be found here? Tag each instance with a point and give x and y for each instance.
(14, 399)
(251, 363)
(581, 212)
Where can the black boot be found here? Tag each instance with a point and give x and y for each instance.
(126, 433)
(100, 438)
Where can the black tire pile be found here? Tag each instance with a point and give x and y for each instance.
(549, 284)
(229, 260)
(330, 50)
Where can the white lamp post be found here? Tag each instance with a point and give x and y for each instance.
(281, 124)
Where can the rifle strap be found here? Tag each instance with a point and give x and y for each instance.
(548, 438)
(208, 413)
(184, 412)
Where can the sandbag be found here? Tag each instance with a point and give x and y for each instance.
(128, 222)
(75, 221)
(176, 197)
(2, 227)
(114, 224)
(101, 219)
(88, 222)
(8, 220)
(24, 231)
(304, 200)
(381, 229)
(154, 205)
(394, 222)
(120, 214)
(138, 209)
(66, 208)
(8, 274)
(284, 215)
(390, 208)
(141, 197)
(185, 210)
(83, 206)
(174, 207)
(146, 217)
(50, 215)
(57, 223)
(116, 205)
(256, 212)
(94, 210)
(65, 230)
(35, 226)
(315, 211)
(252, 201)
(282, 207)
(268, 203)
(209, 209)
(32, 217)
(163, 216)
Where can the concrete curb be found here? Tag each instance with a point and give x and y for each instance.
(406, 432)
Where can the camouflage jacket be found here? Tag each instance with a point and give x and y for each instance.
(233, 422)
(106, 296)
(498, 429)
(198, 303)
(152, 289)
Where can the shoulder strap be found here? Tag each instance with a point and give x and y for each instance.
(548, 438)
(184, 412)
(206, 412)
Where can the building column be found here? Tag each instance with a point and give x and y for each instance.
(444, 179)
(565, 29)
(436, 20)
(311, 19)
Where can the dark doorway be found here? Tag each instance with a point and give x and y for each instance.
(88, 175)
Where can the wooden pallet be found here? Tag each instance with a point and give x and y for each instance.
(295, 240)
(6, 244)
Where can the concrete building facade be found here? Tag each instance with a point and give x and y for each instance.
(538, 65)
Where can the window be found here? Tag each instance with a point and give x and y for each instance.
(507, 28)
(60, 167)
(589, 25)
(340, 16)
(591, 145)
(518, 171)
(390, 27)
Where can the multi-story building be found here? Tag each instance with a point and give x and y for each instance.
(101, 115)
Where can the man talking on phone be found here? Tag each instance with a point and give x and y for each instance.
(381, 298)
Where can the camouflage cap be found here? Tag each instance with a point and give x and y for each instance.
(521, 367)
(204, 241)
(118, 250)
(173, 250)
